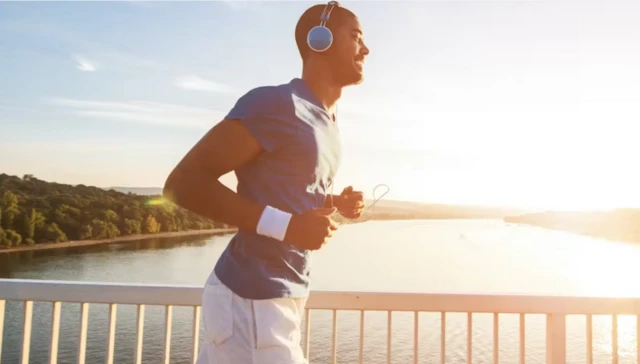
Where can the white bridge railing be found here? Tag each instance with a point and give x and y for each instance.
(555, 309)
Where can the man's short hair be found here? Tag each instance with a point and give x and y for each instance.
(310, 18)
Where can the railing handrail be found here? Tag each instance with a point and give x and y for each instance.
(555, 308)
(155, 294)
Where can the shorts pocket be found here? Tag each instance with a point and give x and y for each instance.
(277, 324)
(217, 314)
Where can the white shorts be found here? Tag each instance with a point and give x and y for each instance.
(244, 331)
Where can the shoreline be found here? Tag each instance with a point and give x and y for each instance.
(129, 238)
(120, 239)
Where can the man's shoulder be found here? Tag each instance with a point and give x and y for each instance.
(265, 109)
(268, 97)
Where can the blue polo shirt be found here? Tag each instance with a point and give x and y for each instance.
(301, 156)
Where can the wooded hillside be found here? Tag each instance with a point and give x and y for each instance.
(33, 211)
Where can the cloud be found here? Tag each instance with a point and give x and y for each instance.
(91, 56)
(62, 40)
(84, 64)
(196, 83)
(146, 112)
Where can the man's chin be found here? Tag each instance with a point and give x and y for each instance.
(355, 79)
(357, 82)
(349, 77)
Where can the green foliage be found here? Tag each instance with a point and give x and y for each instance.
(104, 229)
(33, 211)
(54, 234)
(9, 209)
(150, 225)
(131, 227)
(12, 238)
(86, 232)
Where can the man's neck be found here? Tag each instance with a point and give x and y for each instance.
(327, 93)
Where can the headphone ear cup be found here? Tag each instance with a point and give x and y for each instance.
(319, 38)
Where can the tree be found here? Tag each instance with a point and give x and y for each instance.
(132, 211)
(12, 238)
(54, 234)
(104, 230)
(9, 208)
(86, 232)
(110, 216)
(131, 227)
(150, 225)
(31, 223)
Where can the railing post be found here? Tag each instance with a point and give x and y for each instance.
(556, 338)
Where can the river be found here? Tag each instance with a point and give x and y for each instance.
(453, 256)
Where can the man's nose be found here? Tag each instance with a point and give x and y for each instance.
(365, 50)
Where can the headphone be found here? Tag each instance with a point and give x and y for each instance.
(320, 37)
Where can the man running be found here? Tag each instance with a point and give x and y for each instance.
(283, 144)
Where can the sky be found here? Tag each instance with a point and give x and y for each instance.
(504, 103)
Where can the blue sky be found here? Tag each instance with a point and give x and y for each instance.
(526, 103)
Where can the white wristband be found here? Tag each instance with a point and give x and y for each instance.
(273, 223)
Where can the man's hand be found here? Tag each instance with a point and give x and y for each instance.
(311, 229)
(350, 203)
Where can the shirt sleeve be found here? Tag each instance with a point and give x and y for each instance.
(258, 112)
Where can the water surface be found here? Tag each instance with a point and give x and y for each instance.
(452, 256)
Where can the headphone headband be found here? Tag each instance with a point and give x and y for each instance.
(320, 37)
(326, 13)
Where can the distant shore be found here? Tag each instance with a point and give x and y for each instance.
(616, 225)
(120, 239)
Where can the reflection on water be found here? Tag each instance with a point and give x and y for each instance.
(12, 263)
(414, 256)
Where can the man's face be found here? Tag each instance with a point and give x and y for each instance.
(348, 52)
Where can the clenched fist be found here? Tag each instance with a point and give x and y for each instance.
(350, 203)
(311, 229)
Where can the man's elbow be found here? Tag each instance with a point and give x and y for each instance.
(172, 187)
(182, 187)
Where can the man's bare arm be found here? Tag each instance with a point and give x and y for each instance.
(194, 183)
(331, 200)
